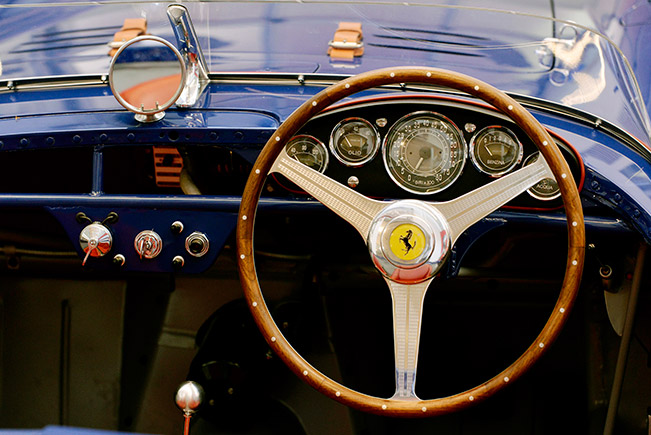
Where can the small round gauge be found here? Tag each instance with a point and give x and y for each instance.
(424, 152)
(308, 150)
(547, 189)
(495, 150)
(354, 141)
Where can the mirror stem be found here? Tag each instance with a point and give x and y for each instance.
(195, 63)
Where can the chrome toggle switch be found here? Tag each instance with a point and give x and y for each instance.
(197, 244)
(148, 244)
(95, 240)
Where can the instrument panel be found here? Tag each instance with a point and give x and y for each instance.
(435, 149)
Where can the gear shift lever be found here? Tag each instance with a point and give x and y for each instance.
(189, 397)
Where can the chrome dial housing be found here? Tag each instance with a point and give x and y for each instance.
(495, 150)
(546, 189)
(308, 150)
(354, 141)
(424, 152)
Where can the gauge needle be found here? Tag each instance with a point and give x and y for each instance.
(419, 163)
(487, 149)
(350, 145)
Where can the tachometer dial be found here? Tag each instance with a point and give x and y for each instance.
(424, 152)
(354, 141)
(495, 150)
(547, 189)
(308, 150)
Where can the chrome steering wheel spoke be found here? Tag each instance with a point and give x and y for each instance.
(353, 207)
(464, 211)
(407, 317)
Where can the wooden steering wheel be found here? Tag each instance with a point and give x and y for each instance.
(380, 222)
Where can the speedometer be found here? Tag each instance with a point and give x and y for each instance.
(424, 152)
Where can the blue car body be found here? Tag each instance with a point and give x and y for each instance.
(104, 344)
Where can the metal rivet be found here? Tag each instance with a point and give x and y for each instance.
(471, 398)
(337, 394)
(424, 409)
(305, 373)
(506, 379)
(476, 89)
(541, 345)
(510, 107)
(574, 263)
(347, 85)
(392, 75)
(429, 74)
(314, 103)
(562, 310)
(273, 339)
(277, 138)
(255, 304)
(242, 256)
(257, 171)
(244, 217)
(545, 143)
(564, 175)
(384, 407)
(574, 224)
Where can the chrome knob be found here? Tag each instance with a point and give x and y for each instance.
(148, 244)
(189, 397)
(95, 240)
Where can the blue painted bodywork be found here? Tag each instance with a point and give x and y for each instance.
(281, 40)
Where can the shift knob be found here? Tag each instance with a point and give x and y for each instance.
(189, 397)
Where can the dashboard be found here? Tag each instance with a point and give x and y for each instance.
(431, 149)
(176, 191)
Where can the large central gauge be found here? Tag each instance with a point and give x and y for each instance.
(424, 152)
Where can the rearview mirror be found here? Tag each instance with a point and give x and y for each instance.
(147, 75)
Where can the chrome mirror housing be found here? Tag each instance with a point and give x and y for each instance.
(195, 63)
(147, 75)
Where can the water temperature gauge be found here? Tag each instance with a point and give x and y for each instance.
(308, 150)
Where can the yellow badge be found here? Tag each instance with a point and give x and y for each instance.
(407, 241)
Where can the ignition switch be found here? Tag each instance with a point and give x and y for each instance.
(148, 244)
(95, 240)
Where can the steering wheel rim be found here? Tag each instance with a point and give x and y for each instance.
(575, 256)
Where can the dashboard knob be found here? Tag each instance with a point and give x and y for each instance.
(178, 262)
(95, 240)
(197, 244)
(148, 244)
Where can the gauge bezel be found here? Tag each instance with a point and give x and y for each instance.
(335, 150)
(316, 142)
(408, 118)
(481, 166)
(531, 190)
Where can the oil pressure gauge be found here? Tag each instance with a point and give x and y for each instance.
(354, 141)
(308, 150)
(495, 150)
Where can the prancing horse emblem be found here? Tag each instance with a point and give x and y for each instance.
(406, 241)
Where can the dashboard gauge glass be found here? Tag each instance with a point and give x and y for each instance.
(424, 152)
(495, 150)
(308, 150)
(546, 189)
(354, 141)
